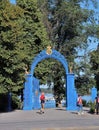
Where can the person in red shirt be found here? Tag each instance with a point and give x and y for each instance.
(42, 98)
(80, 105)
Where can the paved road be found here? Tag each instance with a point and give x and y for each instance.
(52, 119)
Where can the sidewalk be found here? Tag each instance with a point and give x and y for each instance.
(52, 119)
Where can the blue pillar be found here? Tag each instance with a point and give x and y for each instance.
(71, 93)
(93, 93)
(27, 98)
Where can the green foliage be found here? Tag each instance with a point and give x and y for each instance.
(22, 37)
(16, 103)
(95, 65)
(43, 71)
(12, 49)
(69, 26)
(92, 107)
(84, 103)
(36, 36)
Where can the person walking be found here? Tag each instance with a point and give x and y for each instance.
(97, 104)
(80, 105)
(42, 98)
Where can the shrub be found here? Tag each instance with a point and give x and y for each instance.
(16, 104)
(92, 107)
(84, 103)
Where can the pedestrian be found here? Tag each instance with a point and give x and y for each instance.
(80, 105)
(42, 98)
(97, 104)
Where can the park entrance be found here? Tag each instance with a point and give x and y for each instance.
(31, 87)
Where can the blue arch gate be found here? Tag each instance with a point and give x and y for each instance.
(31, 89)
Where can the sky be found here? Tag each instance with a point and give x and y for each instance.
(13, 1)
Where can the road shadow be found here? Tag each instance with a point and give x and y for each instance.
(38, 112)
(60, 109)
(76, 113)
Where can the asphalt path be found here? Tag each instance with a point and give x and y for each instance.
(52, 119)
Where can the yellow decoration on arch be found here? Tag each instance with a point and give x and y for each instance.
(49, 50)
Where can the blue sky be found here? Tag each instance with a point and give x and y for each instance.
(13, 1)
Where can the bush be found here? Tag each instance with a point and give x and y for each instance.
(16, 104)
(92, 107)
(84, 103)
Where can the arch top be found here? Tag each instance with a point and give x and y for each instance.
(49, 53)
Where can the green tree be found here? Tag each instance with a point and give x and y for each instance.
(68, 26)
(95, 65)
(22, 37)
(12, 49)
(36, 37)
(13, 52)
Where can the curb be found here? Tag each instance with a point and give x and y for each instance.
(70, 128)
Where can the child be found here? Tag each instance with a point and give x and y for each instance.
(42, 98)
